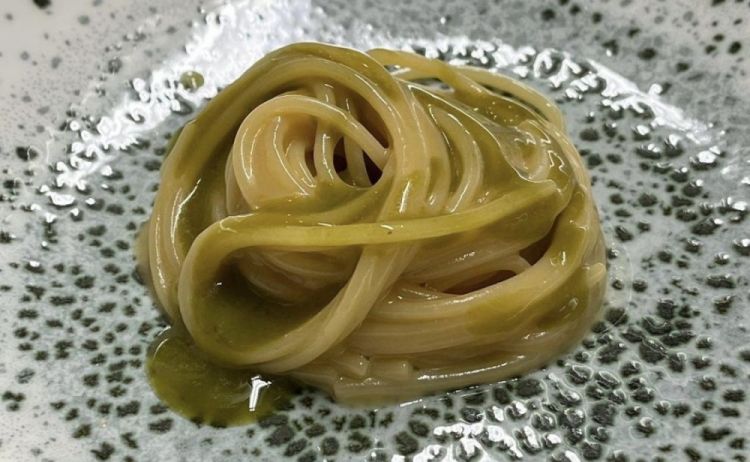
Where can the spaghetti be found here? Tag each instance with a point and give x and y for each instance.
(380, 225)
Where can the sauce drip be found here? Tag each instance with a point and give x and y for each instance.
(203, 391)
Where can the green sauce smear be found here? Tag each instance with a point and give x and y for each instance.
(205, 392)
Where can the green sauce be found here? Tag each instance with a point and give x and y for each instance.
(192, 80)
(243, 318)
(205, 392)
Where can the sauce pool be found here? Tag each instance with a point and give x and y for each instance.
(205, 392)
(201, 390)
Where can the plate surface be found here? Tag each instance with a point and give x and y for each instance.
(655, 95)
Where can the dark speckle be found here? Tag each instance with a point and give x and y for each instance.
(709, 434)
(82, 431)
(26, 153)
(734, 396)
(295, 448)
(471, 415)
(406, 444)
(589, 134)
(281, 435)
(645, 426)
(130, 408)
(647, 54)
(357, 422)
(623, 234)
(329, 446)
(128, 440)
(527, 388)
(604, 413)
(25, 375)
(114, 65)
(85, 282)
(418, 428)
(161, 426)
(104, 452)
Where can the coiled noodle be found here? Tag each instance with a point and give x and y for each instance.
(380, 225)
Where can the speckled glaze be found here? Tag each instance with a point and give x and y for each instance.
(655, 95)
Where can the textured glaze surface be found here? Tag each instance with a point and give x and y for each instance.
(653, 94)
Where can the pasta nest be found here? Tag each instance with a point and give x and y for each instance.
(377, 224)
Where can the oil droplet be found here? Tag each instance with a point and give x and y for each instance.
(191, 80)
(205, 392)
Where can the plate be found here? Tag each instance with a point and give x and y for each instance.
(655, 98)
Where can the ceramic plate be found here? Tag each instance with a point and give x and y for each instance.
(655, 96)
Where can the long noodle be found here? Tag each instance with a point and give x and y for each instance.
(380, 225)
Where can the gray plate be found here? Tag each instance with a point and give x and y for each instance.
(656, 99)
